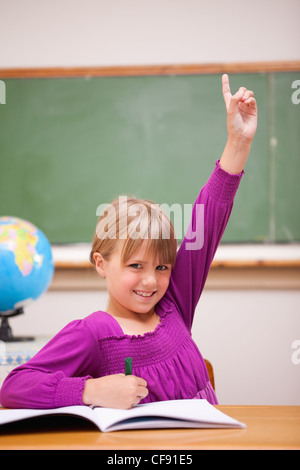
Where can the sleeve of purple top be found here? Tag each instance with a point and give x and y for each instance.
(210, 215)
(56, 375)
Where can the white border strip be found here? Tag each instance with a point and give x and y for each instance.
(79, 253)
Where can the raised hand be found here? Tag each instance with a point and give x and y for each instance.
(241, 126)
(241, 111)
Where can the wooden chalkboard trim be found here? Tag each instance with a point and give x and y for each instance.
(147, 70)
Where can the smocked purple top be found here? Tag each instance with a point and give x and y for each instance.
(167, 358)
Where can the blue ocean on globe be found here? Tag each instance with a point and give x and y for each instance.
(26, 263)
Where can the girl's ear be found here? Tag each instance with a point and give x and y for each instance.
(99, 264)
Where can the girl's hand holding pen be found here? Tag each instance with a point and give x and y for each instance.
(115, 391)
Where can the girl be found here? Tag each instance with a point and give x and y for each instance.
(153, 292)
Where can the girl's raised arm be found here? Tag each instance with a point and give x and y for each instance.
(216, 198)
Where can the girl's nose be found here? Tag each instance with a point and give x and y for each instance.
(149, 280)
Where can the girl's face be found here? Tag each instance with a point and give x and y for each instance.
(136, 286)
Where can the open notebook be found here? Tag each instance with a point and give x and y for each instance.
(163, 414)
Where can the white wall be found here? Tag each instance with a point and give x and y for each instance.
(40, 33)
(247, 335)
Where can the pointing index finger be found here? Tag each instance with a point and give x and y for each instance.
(226, 89)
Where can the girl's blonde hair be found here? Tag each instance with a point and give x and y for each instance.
(134, 221)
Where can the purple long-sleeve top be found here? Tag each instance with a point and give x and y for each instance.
(167, 358)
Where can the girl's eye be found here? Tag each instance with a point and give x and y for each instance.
(135, 266)
(161, 267)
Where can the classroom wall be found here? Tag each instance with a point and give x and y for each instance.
(247, 335)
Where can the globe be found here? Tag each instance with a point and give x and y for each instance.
(26, 264)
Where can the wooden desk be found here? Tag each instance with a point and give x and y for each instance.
(268, 427)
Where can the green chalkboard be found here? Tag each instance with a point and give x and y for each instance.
(68, 145)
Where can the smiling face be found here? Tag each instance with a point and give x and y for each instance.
(135, 286)
(134, 248)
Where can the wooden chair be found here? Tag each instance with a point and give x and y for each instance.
(210, 371)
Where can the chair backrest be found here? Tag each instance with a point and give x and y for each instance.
(210, 371)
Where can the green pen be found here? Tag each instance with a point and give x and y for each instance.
(128, 366)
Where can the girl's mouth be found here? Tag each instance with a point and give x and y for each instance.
(145, 294)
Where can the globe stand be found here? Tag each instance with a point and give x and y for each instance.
(6, 331)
